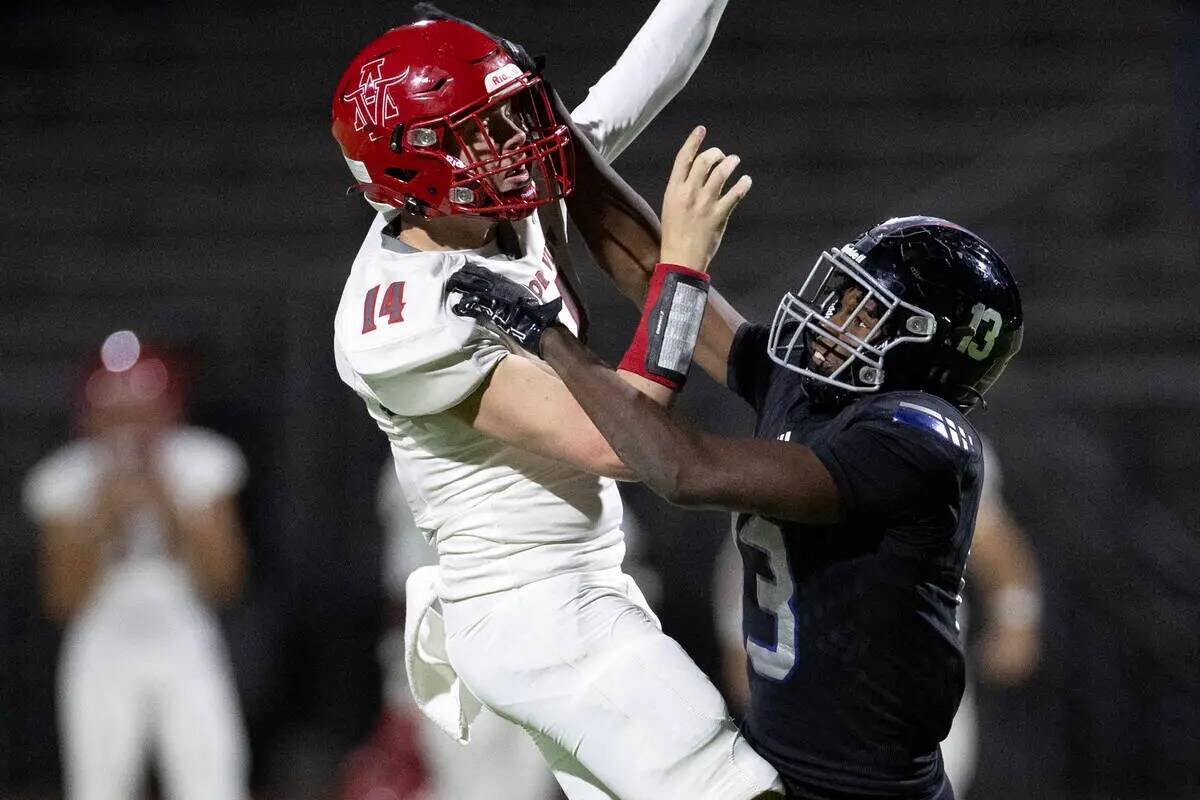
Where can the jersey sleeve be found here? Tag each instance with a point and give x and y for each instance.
(431, 372)
(61, 486)
(898, 467)
(657, 63)
(749, 367)
(204, 467)
(429, 360)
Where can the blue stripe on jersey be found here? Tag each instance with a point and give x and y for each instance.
(921, 417)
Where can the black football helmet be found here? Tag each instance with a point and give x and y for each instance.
(915, 303)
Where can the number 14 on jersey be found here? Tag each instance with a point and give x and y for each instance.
(392, 306)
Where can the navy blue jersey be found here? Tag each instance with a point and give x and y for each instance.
(855, 663)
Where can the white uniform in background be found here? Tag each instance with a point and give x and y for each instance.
(540, 622)
(499, 753)
(960, 749)
(143, 666)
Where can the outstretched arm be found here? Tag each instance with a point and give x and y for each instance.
(656, 64)
(686, 466)
(624, 236)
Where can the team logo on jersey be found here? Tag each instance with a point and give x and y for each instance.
(373, 104)
(919, 416)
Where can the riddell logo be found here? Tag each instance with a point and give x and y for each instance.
(373, 105)
(499, 77)
(856, 256)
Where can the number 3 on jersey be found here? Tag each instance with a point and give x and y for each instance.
(392, 306)
(774, 594)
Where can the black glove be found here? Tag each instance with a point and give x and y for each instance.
(505, 305)
(516, 52)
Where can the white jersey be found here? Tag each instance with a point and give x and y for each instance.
(485, 503)
(501, 517)
(143, 584)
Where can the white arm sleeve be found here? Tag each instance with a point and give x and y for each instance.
(654, 67)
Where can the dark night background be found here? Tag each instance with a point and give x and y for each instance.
(169, 168)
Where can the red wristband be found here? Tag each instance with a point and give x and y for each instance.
(662, 346)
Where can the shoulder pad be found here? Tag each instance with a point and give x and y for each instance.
(394, 314)
(923, 412)
(62, 483)
(919, 415)
(203, 467)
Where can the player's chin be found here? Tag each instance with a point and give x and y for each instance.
(526, 192)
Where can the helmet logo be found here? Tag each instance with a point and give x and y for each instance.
(499, 77)
(855, 256)
(373, 106)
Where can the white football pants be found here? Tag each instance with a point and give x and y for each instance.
(499, 755)
(617, 708)
(122, 696)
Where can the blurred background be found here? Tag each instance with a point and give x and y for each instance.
(168, 168)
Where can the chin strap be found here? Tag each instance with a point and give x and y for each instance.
(980, 399)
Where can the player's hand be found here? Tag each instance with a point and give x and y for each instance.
(503, 304)
(696, 206)
(120, 495)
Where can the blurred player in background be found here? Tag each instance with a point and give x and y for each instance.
(856, 498)
(1001, 570)
(140, 538)
(1003, 575)
(453, 137)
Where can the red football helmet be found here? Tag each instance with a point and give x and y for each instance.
(129, 383)
(437, 118)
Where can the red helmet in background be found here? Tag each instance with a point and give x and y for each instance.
(130, 384)
(409, 110)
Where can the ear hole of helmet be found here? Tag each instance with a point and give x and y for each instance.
(405, 175)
